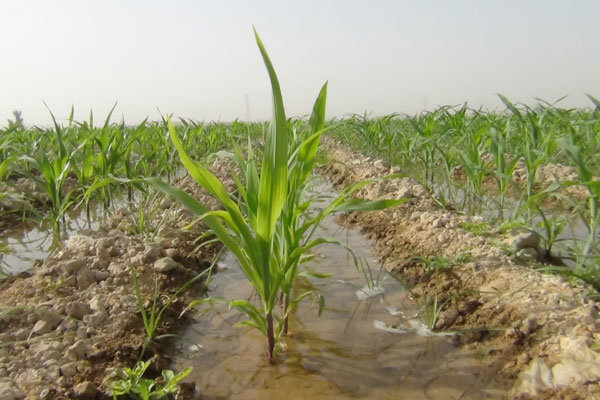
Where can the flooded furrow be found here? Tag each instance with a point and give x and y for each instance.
(356, 349)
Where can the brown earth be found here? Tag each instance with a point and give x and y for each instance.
(74, 322)
(68, 326)
(535, 331)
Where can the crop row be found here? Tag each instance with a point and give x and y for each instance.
(46, 172)
(527, 168)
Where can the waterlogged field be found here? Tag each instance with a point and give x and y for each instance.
(531, 169)
(479, 253)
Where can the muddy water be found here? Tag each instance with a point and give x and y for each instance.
(339, 355)
(575, 229)
(23, 247)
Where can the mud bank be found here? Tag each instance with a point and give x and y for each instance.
(534, 331)
(69, 325)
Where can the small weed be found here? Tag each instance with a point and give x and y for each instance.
(431, 311)
(476, 228)
(372, 282)
(143, 222)
(135, 385)
(152, 318)
(436, 264)
(53, 284)
(479, 354)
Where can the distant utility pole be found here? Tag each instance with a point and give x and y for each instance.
(247, 107)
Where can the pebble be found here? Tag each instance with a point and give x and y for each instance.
(195, 347)
(438, 223)
(72, 266)
(85, 277)
(80, 349)
(84, 390)
(173, 253)
(42, 327)
(151, 253)
(78, 310)
(523, 240)
(69, 369)
(530, 324)
(9, 392)
(96, 304)
(165, 264)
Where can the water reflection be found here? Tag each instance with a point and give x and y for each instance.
(337, 356)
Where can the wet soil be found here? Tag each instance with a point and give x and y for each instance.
(69, 324)
(369, 343)
(536, 331)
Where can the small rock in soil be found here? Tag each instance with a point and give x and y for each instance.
(78, 310)
(530, 324)
(42, 327)
(80, 349)
(8, 391)
(173, 253)
(79, 244)
(523, 240)
(85, 277)
(96, 304)
(165, 264)
(68, 370)
(52, 318)
(447, 319)
(73, 266)
(150, 254)
(468, 307)
(84, 390)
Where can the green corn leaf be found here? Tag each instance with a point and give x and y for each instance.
(258, 321)
(308, 273)
(107, 120)
(306, 154)
(214, 223)
(273, 179)
(199, 173)
(595, 101)
(574, 153)
(317, 118)
(511, 107)
(321, 305)
(208, 181)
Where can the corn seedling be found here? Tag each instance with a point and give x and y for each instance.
(503, 171)
(592, 185)
(267, 241)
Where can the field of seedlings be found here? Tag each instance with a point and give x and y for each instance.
(451, 254)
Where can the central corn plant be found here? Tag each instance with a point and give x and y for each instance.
(266, 225)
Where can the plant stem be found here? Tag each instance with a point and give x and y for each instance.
(286, 304)
(270, 336)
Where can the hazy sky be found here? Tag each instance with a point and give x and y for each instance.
(198, 59)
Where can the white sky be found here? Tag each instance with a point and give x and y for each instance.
(198, 59)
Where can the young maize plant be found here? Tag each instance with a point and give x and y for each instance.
(267, 227)
(54, 171)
